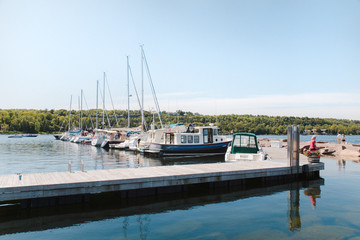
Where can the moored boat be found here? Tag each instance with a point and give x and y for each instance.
(84, 136)
(30, 135)
(15, 136)
(67, 136)
(98, 137)
(112, 137)
(189, 141)
(57, 136)
(244, 146)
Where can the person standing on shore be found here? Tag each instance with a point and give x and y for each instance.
(343, 138)
(339, 137)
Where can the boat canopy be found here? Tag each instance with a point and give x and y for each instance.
(244, 143)
(175, 125)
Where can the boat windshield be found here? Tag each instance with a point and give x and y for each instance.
(244, 144)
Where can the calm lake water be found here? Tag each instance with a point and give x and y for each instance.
(327, 208)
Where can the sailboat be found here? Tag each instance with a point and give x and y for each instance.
(144, 140)
(69, 134)
(83, 136)
(99, 134)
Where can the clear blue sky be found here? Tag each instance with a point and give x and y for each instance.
(272, 57)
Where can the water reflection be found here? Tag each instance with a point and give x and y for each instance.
(125, 226)
(45, 154)
(313, 193)
(341, 164)
(13, 219)
(294, 219)
(144, 222)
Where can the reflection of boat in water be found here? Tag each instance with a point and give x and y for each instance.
(244, 147)
(189, 141)
(15, 136)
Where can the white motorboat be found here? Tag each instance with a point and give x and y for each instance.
(244, 147)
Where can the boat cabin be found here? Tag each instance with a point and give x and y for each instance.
(193, 135)
(244, 143)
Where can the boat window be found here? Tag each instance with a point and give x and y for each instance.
(252, 142)
(196, 139)
(245, 142)
(215, 132)
(206, 137)
(167, 141)
(183, 139)
(196, 131)
(190, 139)
(237, 141)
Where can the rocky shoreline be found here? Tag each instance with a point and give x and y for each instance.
(343, 151)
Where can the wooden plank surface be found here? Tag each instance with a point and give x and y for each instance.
(67, 183)
(35, 179)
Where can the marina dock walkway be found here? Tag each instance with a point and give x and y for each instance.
(152, 180)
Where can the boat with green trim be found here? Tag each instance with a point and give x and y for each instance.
(244, 146)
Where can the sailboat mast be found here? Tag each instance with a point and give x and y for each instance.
(128, 90)
(142, 88)
(97, 103)
(81, 99)
(79, 112)
(70, 113)
(103, 118)
(152, 88)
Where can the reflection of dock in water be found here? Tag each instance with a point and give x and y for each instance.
(313, 191)
(13, 219)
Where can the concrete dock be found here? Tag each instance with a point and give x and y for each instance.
(50, 188)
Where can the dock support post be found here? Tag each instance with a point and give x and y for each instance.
(293, 148)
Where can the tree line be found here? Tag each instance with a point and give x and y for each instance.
(52, 121)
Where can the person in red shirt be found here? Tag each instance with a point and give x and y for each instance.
(313, 144)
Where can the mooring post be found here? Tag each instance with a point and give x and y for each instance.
(296, 147)
(293, 148)
(69, 166)
(81, 165)
(290, 144)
